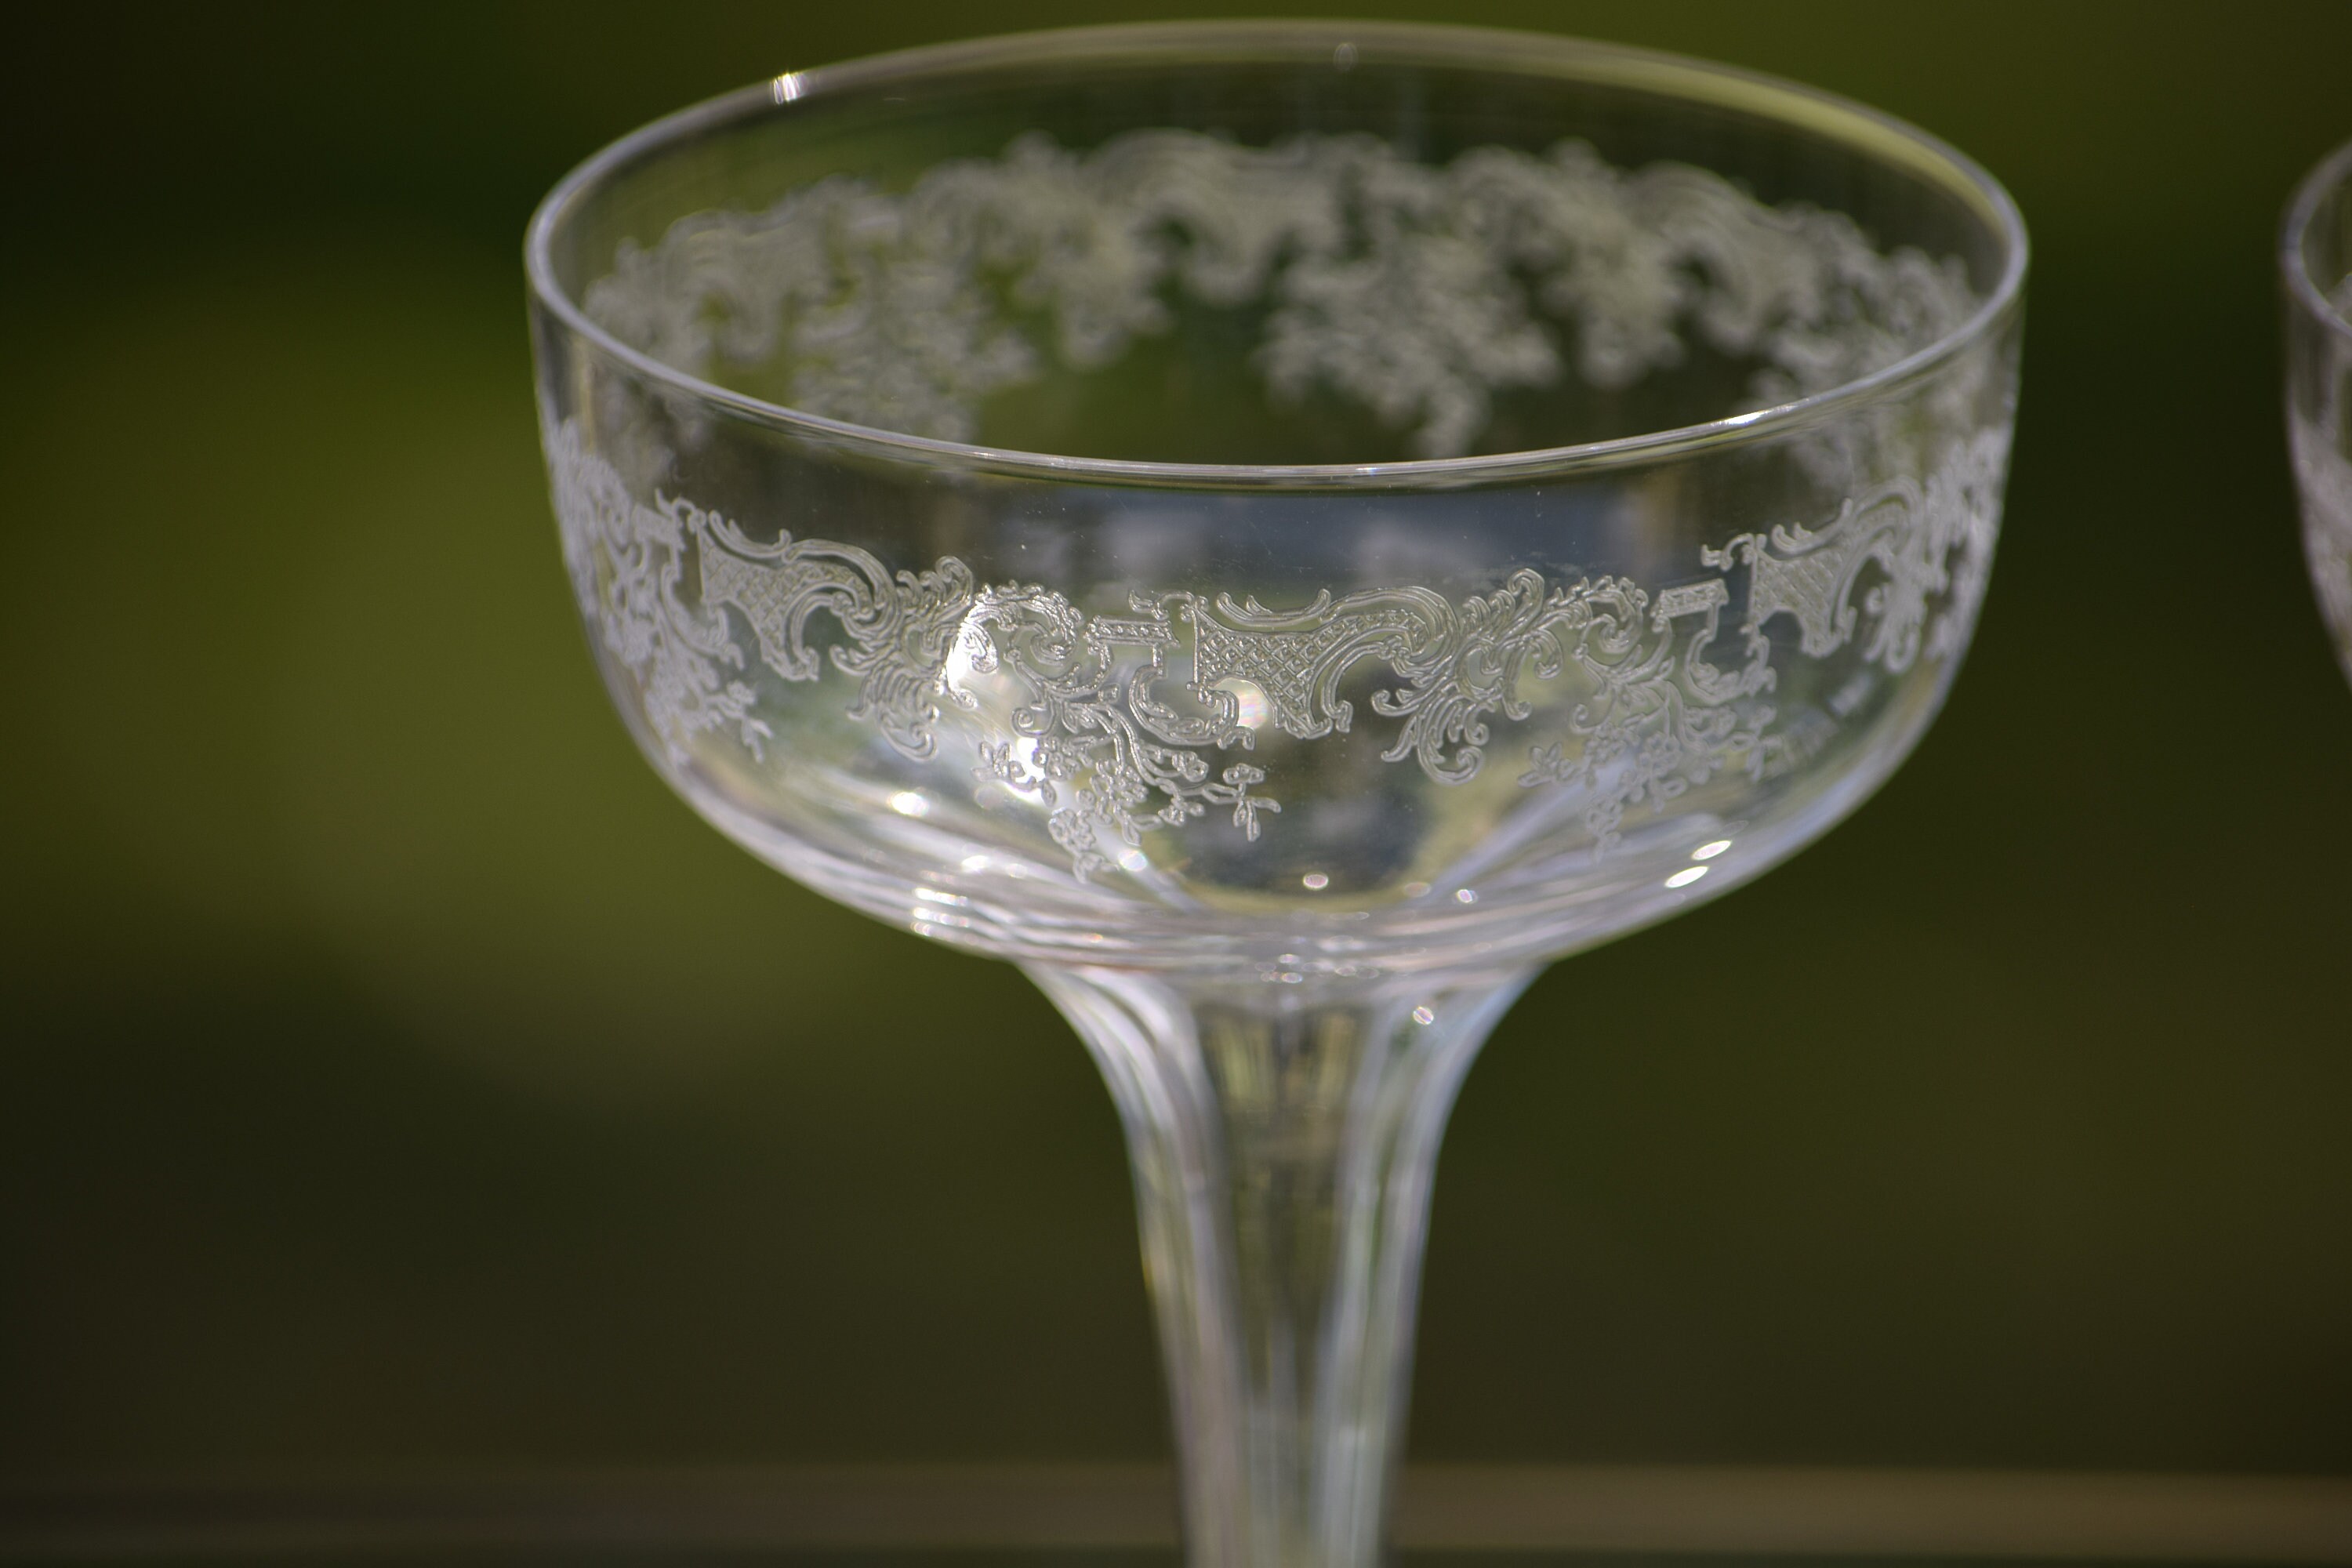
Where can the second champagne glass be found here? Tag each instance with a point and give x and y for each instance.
(2315, 263)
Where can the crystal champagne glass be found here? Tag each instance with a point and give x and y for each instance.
(2316, 257)
(1281, 531)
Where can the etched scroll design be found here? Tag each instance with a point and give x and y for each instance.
(1093, 729)
(1415, 291)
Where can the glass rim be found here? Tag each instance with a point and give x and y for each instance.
(2330, 174)
(1516, 52)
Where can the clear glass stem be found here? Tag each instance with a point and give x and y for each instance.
(1283, 1137)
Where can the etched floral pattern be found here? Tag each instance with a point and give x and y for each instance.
(1093, 730)
(1418, 292)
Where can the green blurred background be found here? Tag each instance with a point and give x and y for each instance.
(395, 1072)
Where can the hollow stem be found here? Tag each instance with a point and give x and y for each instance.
(1282, 1139)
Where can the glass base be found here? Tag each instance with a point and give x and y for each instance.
(1125, 1516)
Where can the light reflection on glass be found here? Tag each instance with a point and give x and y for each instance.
(1249, 701)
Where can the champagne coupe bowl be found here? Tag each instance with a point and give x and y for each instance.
(2316, 258)
(1280, 530)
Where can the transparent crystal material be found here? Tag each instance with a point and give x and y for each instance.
(2315, 254)
(1282, 531)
